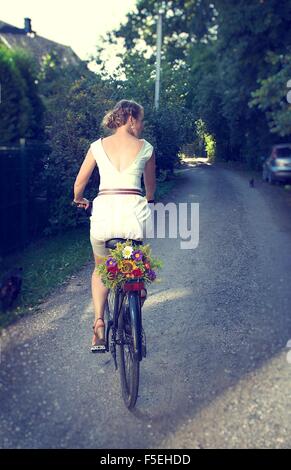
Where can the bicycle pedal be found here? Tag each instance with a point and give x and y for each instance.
(98, 349)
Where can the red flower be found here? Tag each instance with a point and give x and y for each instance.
(112, 269)
(147, 266)
(137, 272)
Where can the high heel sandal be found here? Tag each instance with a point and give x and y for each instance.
(99, 345)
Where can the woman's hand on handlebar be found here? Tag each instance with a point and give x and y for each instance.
(82, 202)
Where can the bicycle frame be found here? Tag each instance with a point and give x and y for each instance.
(131, 291)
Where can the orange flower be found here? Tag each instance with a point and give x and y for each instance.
(126, 266)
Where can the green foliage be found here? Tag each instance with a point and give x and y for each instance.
(271, 96)
(227, 72)
(210, 147)
(194, 18)
(206, 142)
(170, 126)
(21, 109)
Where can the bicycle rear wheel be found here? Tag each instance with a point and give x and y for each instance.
(128, 355)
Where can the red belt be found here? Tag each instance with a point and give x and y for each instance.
(103, 192)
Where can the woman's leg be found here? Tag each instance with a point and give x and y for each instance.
(99, 291)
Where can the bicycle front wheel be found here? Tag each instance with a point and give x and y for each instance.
(128, 355)
(109, 306)
(108, 316)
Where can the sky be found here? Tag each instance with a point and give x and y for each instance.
(75, 24)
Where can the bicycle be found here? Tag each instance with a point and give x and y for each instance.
(124, 334)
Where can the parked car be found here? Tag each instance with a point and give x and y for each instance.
(277, 167)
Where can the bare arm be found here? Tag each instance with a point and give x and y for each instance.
(149, 176)
(83, 176)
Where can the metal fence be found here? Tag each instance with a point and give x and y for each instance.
(23, 195)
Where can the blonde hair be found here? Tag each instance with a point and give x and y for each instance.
(119, 115)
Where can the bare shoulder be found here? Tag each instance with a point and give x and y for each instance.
(149, 147)
(109, 137)
(116, 143)
(118, 139)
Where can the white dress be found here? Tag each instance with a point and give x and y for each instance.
(120, 215)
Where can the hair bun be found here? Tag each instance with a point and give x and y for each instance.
(119, 115)
(111, 120)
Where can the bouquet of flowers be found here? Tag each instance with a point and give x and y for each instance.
(128, 261)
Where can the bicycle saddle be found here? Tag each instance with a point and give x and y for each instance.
(111, 242)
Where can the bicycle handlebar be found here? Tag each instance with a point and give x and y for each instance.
(79, 204)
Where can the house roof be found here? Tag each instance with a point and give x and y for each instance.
(39, 46)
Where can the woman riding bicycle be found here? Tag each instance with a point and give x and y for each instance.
(119, 209)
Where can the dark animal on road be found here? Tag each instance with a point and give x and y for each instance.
(10, 286)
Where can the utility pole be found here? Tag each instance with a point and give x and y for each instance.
(158, 60)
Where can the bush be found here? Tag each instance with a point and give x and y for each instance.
(170, 127)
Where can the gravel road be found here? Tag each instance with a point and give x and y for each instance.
(216, 374)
